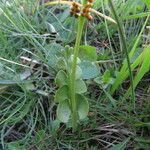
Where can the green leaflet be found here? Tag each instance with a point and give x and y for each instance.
(61, 78)
(79, 73)
(61, 94)
(80, 86)
(82, 106)
(63, 111)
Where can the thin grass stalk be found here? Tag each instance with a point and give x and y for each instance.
(123, 40)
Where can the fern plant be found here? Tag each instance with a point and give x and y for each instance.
(72, 104)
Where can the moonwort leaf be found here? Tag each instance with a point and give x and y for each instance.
(80, 86)
(79, 73)
(63, 111)
(61, 64)
(61, 78)
(71, 59)
(82, 106)
(61, 94)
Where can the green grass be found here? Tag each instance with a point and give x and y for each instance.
(27, 109)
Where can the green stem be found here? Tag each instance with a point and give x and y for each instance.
(84, 2)
(125, 48)
(81, 22)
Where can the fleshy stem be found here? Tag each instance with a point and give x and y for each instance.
(81, 22)
(125, 49)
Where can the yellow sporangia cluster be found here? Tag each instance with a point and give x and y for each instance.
(76, 10)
